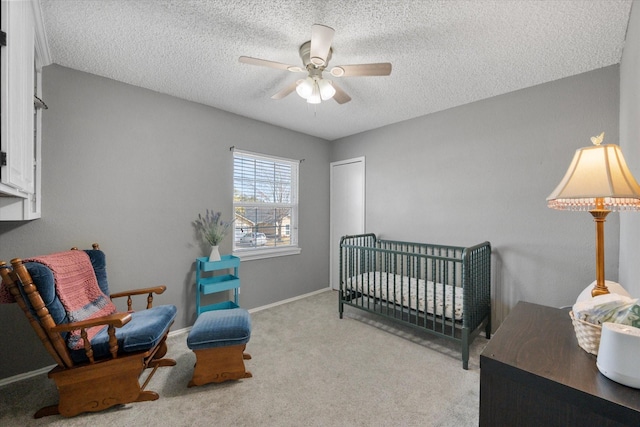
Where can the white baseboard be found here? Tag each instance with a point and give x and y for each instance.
(26, 375)
(275, 304)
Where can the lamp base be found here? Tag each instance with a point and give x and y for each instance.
(599, 290)
(614, 288)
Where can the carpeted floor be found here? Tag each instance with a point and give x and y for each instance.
(309, 369)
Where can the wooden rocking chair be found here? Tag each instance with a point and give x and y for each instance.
(100, 353)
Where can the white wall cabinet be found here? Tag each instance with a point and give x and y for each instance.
(23, 55)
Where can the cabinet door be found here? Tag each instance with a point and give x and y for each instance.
(17, 88)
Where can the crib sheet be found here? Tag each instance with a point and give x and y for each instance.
(381, 285)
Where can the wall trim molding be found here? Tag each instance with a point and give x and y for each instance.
(25, 375)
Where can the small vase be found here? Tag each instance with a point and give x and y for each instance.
(215, 254)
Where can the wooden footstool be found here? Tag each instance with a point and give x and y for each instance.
(218, 339)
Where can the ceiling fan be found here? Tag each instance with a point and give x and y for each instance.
(315, 55)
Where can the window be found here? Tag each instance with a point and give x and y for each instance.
(265, 202)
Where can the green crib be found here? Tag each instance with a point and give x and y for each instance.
(443, 290)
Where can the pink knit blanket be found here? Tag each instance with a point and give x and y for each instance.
(78, 290)
(5, 295)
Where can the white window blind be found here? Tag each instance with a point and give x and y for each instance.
(265, 202)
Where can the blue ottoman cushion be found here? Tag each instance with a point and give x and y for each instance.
(220, 328)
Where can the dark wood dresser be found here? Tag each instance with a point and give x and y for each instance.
(533, 373)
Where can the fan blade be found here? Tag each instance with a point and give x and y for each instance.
(379, 69)
(321, 38)
(270, 64)
(340, 96)
(286, 91)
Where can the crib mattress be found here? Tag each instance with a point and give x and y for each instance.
(402, 290)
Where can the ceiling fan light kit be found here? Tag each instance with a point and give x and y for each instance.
(315, 90)
(315, 55)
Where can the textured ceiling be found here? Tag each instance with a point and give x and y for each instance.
(444, 53)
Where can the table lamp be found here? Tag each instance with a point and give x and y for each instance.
(598, 180)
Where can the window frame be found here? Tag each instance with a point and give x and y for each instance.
(260, 252)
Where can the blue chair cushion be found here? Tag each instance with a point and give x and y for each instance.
(99, 264)
(220, 328)
(44, 281)
(143, 332)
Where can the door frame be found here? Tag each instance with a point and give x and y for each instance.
(332, 248)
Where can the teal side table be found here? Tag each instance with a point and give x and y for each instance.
(217, 283)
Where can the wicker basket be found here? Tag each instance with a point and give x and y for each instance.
(587, 333)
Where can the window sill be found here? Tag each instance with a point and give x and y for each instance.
(265, 253)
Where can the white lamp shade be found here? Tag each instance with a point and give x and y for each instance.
(305, 88)
(326, 89)
(597, 172)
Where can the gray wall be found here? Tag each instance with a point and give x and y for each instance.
(131, 169)
(483, 171)
(630, 145)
